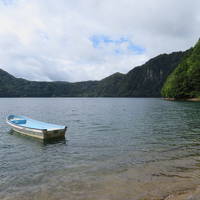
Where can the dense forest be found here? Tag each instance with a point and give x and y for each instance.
(184, 81)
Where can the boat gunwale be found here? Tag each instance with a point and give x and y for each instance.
(23, 127)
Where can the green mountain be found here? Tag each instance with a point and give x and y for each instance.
(184, 81)
(143, 81)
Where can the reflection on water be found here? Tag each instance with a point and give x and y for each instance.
(115, 149)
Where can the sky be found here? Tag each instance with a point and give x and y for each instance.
(78, 40)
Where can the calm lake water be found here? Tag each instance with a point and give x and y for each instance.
(116, 148)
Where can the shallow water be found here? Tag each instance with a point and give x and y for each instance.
(116, 148)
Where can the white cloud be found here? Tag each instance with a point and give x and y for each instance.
(51, 40)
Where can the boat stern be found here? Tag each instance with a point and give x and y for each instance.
(53, 134)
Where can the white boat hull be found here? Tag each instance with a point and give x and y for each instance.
(42, 134)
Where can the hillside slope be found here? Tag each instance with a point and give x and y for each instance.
(184, 82)
(148, 79)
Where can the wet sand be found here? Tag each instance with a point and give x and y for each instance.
(153, 183)
(192, 194)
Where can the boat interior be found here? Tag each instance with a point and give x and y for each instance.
(30, 123)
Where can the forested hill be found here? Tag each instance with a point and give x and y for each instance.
(184, 82)
(143, 81)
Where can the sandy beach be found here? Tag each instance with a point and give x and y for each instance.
(153, 183)
(192, 194)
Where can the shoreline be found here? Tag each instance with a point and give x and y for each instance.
(193, 194)
(187, 99)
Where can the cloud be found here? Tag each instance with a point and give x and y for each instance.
(90, 39)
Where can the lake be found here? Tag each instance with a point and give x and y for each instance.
(115, 149)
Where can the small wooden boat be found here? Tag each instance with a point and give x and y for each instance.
(34, 128)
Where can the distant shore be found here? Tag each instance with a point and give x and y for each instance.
(187, 99)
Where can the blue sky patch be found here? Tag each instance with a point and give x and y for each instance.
(136, 48)
(101, 41)
(7, 2)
